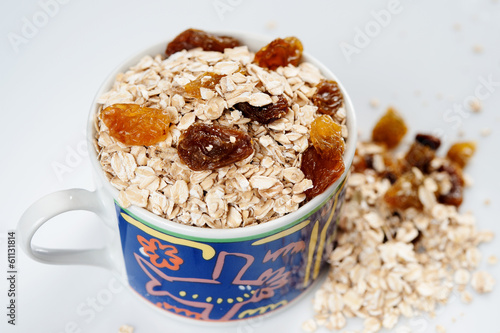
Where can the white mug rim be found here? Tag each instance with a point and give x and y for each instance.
(232, 233)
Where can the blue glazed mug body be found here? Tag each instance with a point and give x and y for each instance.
(209, 275)
(227, 279)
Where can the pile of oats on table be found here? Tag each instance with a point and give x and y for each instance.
(403, 245)
(266, 185)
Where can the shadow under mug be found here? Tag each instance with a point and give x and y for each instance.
(199, 273)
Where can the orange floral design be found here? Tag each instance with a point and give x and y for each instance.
(168, 253)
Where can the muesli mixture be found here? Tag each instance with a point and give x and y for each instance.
(216, 136)
(403, 246)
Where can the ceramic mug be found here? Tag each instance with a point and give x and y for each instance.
(200, 273)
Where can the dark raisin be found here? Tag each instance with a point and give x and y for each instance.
(428, 140)
(193, 38)
(419, 156)
(209, 147)
(264, 114)
(322, 171)
(455, 195)
(328, 98)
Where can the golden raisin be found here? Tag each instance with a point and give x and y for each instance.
(264, 114)
(326, 137)
(206, 80)
(390, 129)
(193, 38)
(461, 152)
(403, 193)
(328, 98)
(280, 53)
(208, 147)
(323, 162)
(133, 124)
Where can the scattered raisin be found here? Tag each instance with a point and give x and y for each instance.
(461, 152)
(133, 124)
(328, 98)
(428, 140)
(421, 152)
(322, 171)
(326, 137)
(280, 53)
(403, 193)
(193, 38)
(419, 156)
(264, 114)
(455, 195)
(208, 147)
(322, 162)
(206, 80)
(390, 129)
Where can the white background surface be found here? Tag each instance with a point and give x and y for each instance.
(422, 62)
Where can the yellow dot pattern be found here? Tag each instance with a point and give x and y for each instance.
(219, 300)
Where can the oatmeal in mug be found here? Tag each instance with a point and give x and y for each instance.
(275, 114)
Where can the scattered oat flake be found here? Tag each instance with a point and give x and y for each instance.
(478, 48)
(309, 326)
(126, 329)
(374, 103)
(440, 329)
(271, 25)
(492, 260)
(476, 105)
(486, 131)
(482, 282)
(466, 296)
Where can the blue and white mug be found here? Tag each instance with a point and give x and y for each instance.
(203, 274)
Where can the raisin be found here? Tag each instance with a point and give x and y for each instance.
(419, 156)
(455, 194)
(403, 193)
(461, 152)
(193, 38)
(206, 80)
(328, 98)
(421, 152)
(133, 124)
(326, 137)
(208, 147)
(322, 171)
(390, 129)
(323, 162)
(280, 53)
(264, 114)
(428, 140)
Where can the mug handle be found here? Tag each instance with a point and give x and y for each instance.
(50, 206)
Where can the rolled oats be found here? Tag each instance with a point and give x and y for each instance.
(389, 265)
(154, 177)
